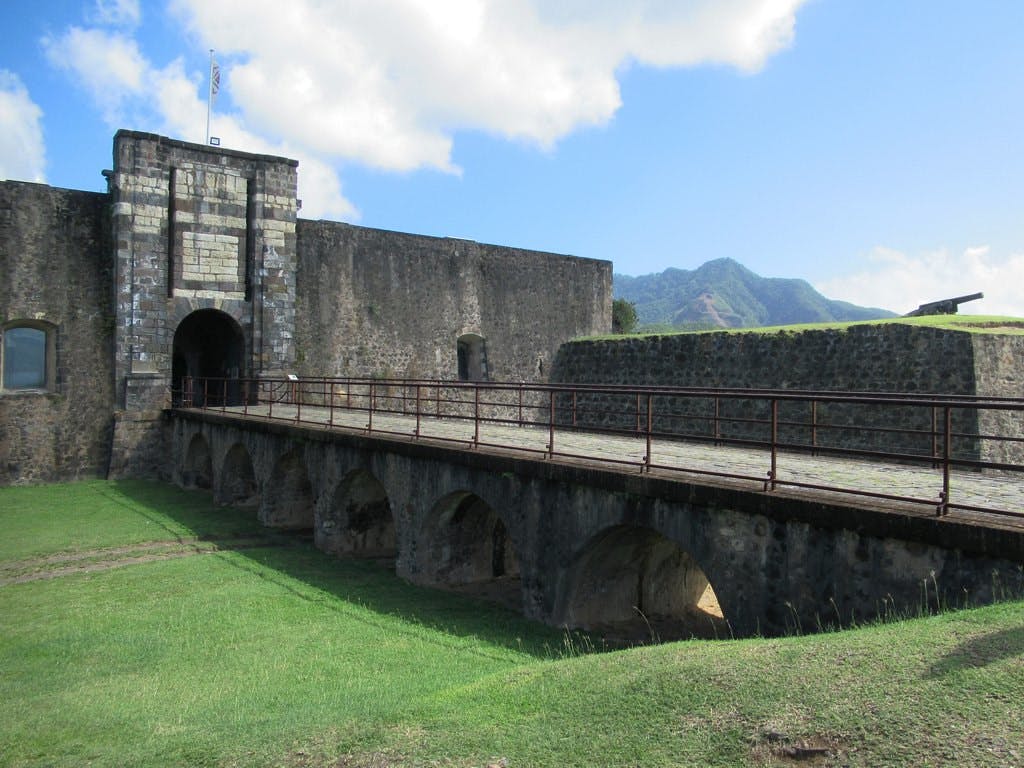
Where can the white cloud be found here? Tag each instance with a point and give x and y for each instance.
(132, 92)
(109, 65)
(901, 282)
(22, 152)
(388, 83)
(120, 13)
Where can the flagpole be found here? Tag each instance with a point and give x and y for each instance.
(209, 99)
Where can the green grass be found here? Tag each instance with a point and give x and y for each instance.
(1013, 326)
(282, 656)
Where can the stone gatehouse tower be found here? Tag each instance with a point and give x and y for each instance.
(205, 264)
(194, 263)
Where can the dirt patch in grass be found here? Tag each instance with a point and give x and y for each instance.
(774, 747)
(93, 560)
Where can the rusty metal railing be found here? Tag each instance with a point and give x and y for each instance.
(944, 433)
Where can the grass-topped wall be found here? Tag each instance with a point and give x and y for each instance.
(947, 356)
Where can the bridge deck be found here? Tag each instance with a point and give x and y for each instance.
(852, 482)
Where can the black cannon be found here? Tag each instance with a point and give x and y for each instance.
(943, 307)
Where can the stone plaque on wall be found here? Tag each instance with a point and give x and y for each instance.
(209, 210)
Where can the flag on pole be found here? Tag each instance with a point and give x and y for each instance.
(214, 78)
(214, 88)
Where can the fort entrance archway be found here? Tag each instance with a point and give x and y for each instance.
(208, 343)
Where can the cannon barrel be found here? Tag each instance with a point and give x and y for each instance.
(944, 306)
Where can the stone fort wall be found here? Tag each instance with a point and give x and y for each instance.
(56, 274)
(188, 232)
(889, 357)
(378, 303)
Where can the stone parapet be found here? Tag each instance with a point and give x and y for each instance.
(890, 357)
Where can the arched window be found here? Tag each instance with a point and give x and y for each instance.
(27, 358)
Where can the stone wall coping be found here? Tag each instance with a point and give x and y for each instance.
(509, 249)
(179, 144)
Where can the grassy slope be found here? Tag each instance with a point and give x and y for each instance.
(968, 323)
(283, 656)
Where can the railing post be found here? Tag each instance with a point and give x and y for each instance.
(650, 428)
(574, 407)
(206, 393)
(947, 453)
(638, 429)
(772, 474)
(330, 407)
(814, 427)
(520, 403)
(935, 435)
(224, 400)
(297, 398)
(551, 423)
(718, 423)
(476, 415)
(373, 397)
(417, 432)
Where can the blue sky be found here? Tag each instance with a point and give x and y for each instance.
(871, 147)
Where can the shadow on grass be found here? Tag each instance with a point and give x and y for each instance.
(980, 652)
(287, 558)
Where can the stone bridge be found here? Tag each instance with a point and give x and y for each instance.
(588, 545)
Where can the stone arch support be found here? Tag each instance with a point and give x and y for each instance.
(632, 576)
(356, 518)
(198, 469)
(288, 499)
(237, 483)
(464, 541)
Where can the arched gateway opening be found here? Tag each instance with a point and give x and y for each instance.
(208, 344)
(633, 585)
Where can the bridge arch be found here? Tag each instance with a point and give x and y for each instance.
(357, 518)
(464, 541)
(238, 485)
(633, 580)
(288, 499)
(198, 469)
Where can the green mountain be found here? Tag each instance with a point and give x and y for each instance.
(725, 294)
